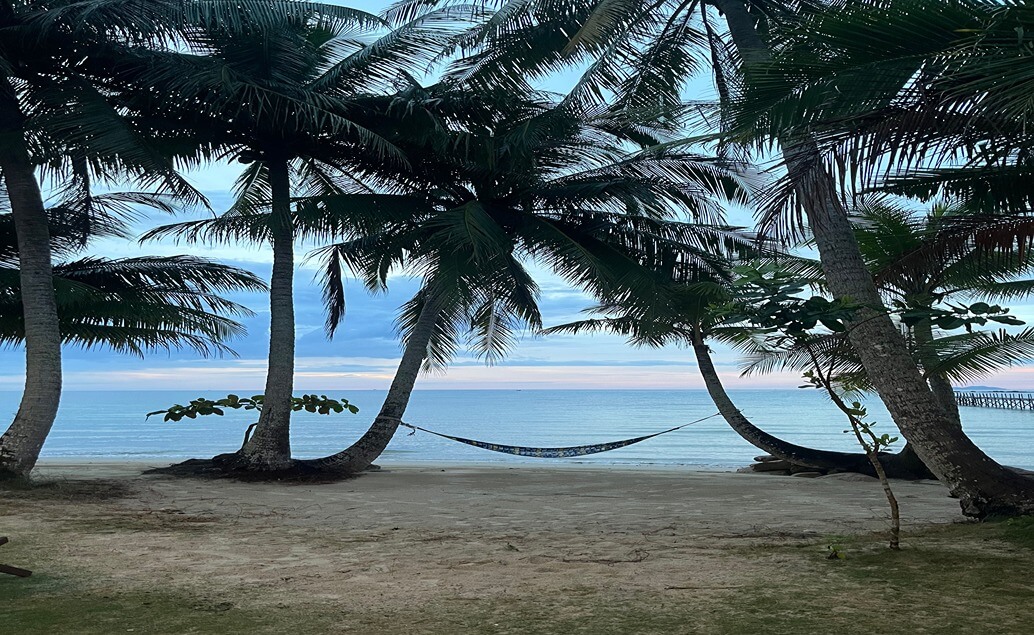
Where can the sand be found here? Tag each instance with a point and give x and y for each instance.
(419, 533)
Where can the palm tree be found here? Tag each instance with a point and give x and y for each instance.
(689, 314)
(890, 238)
(513, 177)
(983, 486)
(923, 262)
(287, 114)
(924, 102)
(637, 56)
(53, 116)
(129, 305)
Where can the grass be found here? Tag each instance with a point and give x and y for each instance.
(65, 490)
(962, 578)
(42, 604)
(952, 579)
(1019, 531)
(947, 579)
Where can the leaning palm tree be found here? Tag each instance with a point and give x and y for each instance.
(640, 54)
(288, 115)
(129, 305)
(690, 314)
(512, 177)
(54, 117)
(932, 263)
(912, 137)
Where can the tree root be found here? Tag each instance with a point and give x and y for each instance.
(233, 466)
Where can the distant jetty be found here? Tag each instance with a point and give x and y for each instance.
(1003, 399)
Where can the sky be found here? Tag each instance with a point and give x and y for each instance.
(365, 351)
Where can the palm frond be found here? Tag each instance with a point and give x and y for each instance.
(970, 356)
(139, 305)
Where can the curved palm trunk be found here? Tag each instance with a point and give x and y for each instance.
(365, 451)
(983, 486)
(269, 448)
(896, 466)
(20, 445)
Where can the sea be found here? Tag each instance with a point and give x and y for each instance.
(96, 425)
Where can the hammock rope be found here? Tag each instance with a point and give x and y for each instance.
(553, 453)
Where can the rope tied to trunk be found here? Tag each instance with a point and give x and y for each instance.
(550, 453)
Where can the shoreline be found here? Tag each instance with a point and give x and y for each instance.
(551, 419)
(441, 495)
(388, 465)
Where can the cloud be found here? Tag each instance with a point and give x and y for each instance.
(364, 353)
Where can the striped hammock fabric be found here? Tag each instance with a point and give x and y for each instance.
(553, 453)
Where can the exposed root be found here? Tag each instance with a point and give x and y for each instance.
(232, 466)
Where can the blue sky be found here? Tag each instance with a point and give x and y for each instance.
(365, 351)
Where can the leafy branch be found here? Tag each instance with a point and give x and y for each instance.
(871, 443)
(200, 407)
(769, 300)
(319, 404)
(772, 300)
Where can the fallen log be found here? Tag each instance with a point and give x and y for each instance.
(9, 570)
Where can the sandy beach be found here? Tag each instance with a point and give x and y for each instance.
(415, 535)
(526, 502)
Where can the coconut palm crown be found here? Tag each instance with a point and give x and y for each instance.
(950, 255)
(278, 100)
(501, 181)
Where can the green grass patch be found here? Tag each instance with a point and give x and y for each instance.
(1018, 531)
(43, 604)
(65, 490)
(972, 577)
(946, 580)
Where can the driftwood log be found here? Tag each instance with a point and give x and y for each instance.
(9, 570)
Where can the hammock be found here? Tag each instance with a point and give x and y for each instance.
(553, 453)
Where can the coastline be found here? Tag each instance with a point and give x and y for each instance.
(543, 419)
(133, 466)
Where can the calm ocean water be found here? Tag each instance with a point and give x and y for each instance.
(112, 425)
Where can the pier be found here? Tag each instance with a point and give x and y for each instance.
(1008, 400)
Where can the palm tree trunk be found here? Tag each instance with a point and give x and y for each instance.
(797, 454)
(983, 486)
(365, 451)
(939, 385)
(20, 445)
(269, 448)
